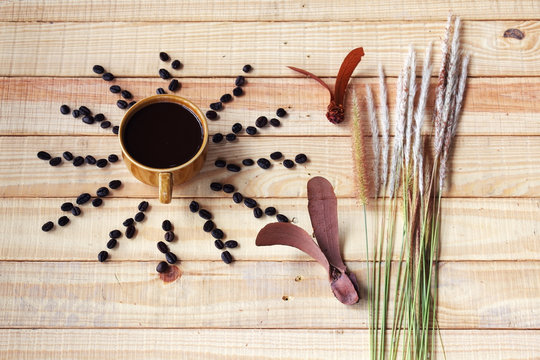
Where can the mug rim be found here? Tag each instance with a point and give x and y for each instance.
(163, 98)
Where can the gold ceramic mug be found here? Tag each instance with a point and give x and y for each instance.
(164, 178)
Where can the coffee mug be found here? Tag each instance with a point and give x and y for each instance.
(160, 144)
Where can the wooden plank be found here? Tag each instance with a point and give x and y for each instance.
(472, 295)
(281, 10)
(472, 229)
(29, 106)
(220, 49)
(246, 344)
(481, 167)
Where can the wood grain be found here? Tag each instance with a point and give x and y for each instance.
(472, 295)
(219, 48)
(185, 344)
(472, 229)
(30, 106)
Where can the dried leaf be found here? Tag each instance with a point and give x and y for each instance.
(314, 77)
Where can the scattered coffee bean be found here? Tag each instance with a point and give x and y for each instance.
(225, 98)
(174, 85)
(209, 226)
(164, 56)
(288, 163)
(276, 155)
(270, 211)
(139, 217)
(115, 184)
(205, 214)
(233, 167)
(63, 220)
(115, 234)
(131, 104)
(67, 206)
(281, 112)
(111, 244)
(115, 129)
(128, 222)
(236, 128)
(99, 117)
(219, 244)
(264, 163)
(90, 160)
(275, 122)
(176, 64)
(250, 203)
(78, 161)
(216, 186)
(217, 138)
(126, 94)
(228, 188)
(108, 77)
(282, 218)
(47, 226)
(83, 198)
(102, 256)
(230, 137)
(171, 258)
(226, 257)
(257, 212)
(166, 225)
(247, 68)
(164, 248)
(76, 113)
(64, 109)
(84, 110)
(162, 267)
(169, 236)
(55, 161)
(102, 191)
(248, 162)
(300, 158)
(160, 91)
(220, 163)
(88, 119)
(237, 197)
(97, 202)
(216, 106)
(143, 205)
(261, 121)
(67, 155)
(211, 114)
(76, 211)
(193, 206)
(130, 231)
(105, 124)
(231, 244)
(115, 89)
(240, 81)
(101, 163)
(238, 91)
(98, 69)
(164, 74)
(121, 104)
(251, 130)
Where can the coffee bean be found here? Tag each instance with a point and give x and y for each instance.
(162, 247)
(282, 218)
(250, 130)
(78, 161)
(101, 163)
(169, 236)
(217, 138)
(250, 203)
(88, 119)
(237, 197)
(115, 184)
(236, 128)
(276, 155)
(288, 163)
(220, 163)
(130, 231)
(228, 188)
(67, 206)
(102, 191)
(115, 129)
(171, 258)
(83, 198)
(97, 202)
(121, 104)
(126, 94)
(143, 205)
(102, 256)
(76, 211)
(211, 114)
(240, 81)
(115, 89)
(64, 109)
(98, 69)
(162, 267)
(164, 56)
(216, 186)
(226, 257)
(209, 226)
(128, 222)
(164, 74)
(160, 91)
(111, 244)
(216, 106)
(275, 122)
(247, 68)
(270, 211)
(112, 158)
(47, 226)
(176, 64)
(166, 225)
(105, 124)
(205, 214)
(115, 234)
(99, 117)
(139, 217)
(90, 160)
(261, 121)
(193, 206)
(257, 212)
(63, 220)
(231, 244)
(55, 161)
(300, 158)
(233, 168)
(225, 98)
(238, 91)
(76, 113)
(174, 85)
(264, 163)
(67, 155)
(281, 112)
(84, 110)
(230, 137)
(131, 104)
(219, 244)
(108, 77)
(248, 162)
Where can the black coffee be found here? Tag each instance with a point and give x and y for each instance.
(163, 135)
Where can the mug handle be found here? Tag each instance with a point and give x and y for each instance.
(165, 187)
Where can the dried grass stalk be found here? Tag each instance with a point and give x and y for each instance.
(374, 138)
(385, 125)
(359, 151)
(410, 105)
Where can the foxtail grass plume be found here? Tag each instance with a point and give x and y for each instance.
(385, 126)
(359, 151)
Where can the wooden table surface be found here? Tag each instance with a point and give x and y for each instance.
(59, 302)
